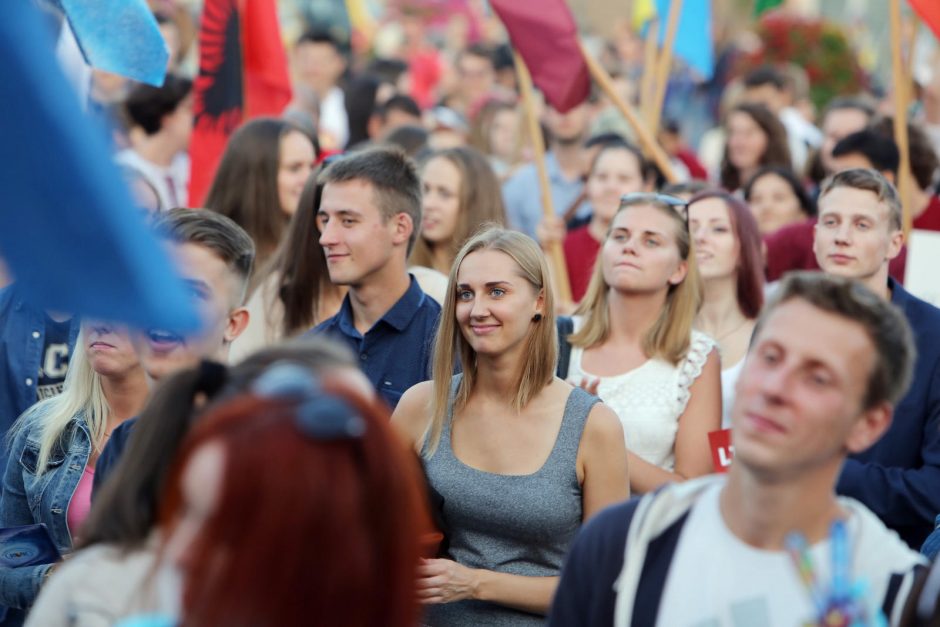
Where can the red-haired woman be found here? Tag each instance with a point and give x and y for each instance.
(293, 505)
(727, 248)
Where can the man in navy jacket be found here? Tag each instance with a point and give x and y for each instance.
(858, 233)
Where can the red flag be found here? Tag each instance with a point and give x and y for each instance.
(546, 36)
(242, 74)
(929, 11)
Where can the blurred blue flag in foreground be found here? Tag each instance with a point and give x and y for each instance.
(694, 43)
(69, 231)
(118, 36)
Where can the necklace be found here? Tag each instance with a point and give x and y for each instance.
(719, 338)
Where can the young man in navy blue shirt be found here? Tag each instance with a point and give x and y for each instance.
(857, 235)
(369, 218)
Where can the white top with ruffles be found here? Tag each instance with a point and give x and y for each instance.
(650, 398)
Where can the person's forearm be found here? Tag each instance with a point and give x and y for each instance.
(529, 594)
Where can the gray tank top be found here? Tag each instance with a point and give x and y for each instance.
(518, 524)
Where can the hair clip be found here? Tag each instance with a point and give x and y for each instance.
(320, 415)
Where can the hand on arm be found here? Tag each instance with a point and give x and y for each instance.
(446, 581)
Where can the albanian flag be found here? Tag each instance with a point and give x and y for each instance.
(546, 36)
(242, 74)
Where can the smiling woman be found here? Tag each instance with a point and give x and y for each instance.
(459, 193)
(260, 177)
(520, 457)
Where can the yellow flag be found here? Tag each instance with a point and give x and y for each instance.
(643, 12)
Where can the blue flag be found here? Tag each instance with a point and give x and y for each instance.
(118, 36)
(69, 231)
(694, 35)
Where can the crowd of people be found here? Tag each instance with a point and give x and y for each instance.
(393, 414)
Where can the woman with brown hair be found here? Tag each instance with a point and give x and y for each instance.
(755, 138)
(459, 193)
(260, 178)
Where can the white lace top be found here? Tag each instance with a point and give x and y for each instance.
(650, 398)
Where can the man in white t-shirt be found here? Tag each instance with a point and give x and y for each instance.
(828, 361)
(319, 63)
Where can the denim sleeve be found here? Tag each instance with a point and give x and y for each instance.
(18, 586)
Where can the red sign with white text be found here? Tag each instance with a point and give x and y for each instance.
(722, 449)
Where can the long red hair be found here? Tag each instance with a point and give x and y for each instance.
(305, 531)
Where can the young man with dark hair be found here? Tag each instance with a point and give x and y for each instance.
(827, 363)
(319, 63)
(566, 168)
(858, 233)
(214, 256)
(867, 149)
(369, 218)
(164, 117)
(476, 78)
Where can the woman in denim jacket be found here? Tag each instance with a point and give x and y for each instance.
(55, 444)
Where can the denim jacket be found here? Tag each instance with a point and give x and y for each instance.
(22, 336)
(29, 497)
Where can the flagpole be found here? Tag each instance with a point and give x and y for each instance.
(900, 115)
(664, 65)
(556, 256)
(648, 79)
(647, 141)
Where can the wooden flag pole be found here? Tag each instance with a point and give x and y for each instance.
(556, 256)
(664, 65)
(648, 78)
(900, 115)
(647, 141)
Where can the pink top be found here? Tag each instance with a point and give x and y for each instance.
(81, 500)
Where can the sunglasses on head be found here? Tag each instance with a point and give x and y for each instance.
(675, 203)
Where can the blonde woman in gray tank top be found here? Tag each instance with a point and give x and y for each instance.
(520, 457)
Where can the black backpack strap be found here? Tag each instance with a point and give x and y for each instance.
(565, 325)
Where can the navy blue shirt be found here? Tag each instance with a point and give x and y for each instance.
(395, 353)
(899, 477)
(111, 454)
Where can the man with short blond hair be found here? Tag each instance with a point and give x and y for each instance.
(858, 233)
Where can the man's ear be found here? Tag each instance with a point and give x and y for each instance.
(237, 322)
(895, 244)
(403, 228)
(869, 428)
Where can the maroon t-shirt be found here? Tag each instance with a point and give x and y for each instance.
(791, 248)
(929, 220)
(580, 253)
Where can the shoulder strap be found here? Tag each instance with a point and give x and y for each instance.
(565, 326)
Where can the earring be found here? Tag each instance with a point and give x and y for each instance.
(537, 317)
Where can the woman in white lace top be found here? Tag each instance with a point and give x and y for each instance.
(727, 249)
(634, 345)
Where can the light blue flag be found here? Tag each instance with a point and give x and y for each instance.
(118, 36)
(69, 231)
(694, 36)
